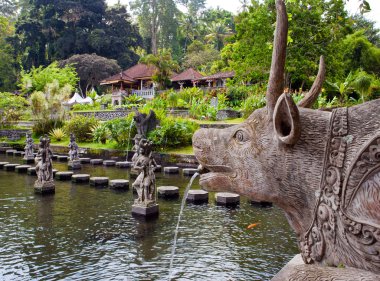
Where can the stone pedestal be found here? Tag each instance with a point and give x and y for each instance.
(64, 176)
(22, 168)
(29, 160)
(227, 198)
(99, 181)
(168, 192)
(84, 160)
(189, 171)
(10, 167)
(171, 170)
(124, 164)
(119, 184)
(44, 188)
(80, 178)
(109, 163)
(142, 211)
(197, 196)
(74, 165)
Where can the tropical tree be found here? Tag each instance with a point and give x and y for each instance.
(7, 62)
(164, 65)
(217, 34)
(362, 84)
(91, 69)
(200, 56)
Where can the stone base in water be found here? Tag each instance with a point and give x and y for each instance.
(142, 211)
(22, 168)
(197, 196)
(29, 160)
(74, 165)
(168, 192)
(44, 188)
(227, 199)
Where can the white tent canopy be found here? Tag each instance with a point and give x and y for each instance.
(78, 99)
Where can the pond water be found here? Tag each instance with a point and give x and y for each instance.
(86, 233)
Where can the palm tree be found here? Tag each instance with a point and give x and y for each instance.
(362, 84)
(217, 33)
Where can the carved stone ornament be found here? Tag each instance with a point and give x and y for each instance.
(347, 212)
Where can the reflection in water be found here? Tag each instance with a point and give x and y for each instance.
(83, 233)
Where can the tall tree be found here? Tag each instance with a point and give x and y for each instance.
(7, 62)
(48, 31)
(158, 22)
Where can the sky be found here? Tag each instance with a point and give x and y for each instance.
(235, 5)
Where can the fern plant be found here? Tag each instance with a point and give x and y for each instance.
(57, 134)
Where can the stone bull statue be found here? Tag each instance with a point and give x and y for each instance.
(322, 168)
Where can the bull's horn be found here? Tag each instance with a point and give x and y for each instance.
(286, 120)
(313, 94)
(277, 70)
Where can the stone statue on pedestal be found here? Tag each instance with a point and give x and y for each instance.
(74, 162)
(145, 123)
(44, 168)
(145, 184)
(29, 156)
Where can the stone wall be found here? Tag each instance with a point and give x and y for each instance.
(227, 114)
(13, 134)
(105, 115)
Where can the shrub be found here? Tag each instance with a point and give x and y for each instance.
(100, 133)
(81, 126)
(57, 134)
(252, 103)
(94, 106)
(44, 126)
(121, 129)
(173, 132)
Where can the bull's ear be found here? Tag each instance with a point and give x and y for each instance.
(286, 118)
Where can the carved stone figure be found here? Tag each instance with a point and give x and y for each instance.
(73, 146)
(322, 168)
(145, 184)
(29, 148)
(74, 162)
(145, 123)
(44, 167)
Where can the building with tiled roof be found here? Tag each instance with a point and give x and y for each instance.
(185, 78)
(215, 80)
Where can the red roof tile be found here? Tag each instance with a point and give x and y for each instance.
(131, 74)
(219, 75)
(188, 74)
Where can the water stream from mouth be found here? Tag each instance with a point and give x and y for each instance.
(178, 222)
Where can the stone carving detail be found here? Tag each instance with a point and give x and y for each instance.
(144, 163)
(145, 123)
(28, 147)
(44, 167)
(73, 146)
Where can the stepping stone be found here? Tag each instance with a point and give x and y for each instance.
(74, 165)
(80, 178)
(124, 164)
(189, 171)
(10, 167)
(119, 184)
(168, 191)
(18, 153)
(54, 171)
(109, 163)
(171, 170)
(96, 161)
(2, 164)
(158, 168)
(84, 160)
(54, 157)
(227, 198)
(262, 204)
(99, 181)
(28, 160)
(64, 176)
(32, 171)
(197, 196)
(22, 168)
(115, 158)
(62, 158)
(10, 152)
(3, 149)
